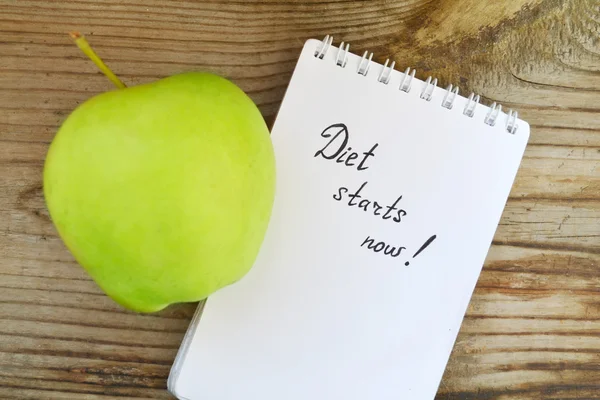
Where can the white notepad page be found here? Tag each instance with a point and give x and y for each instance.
(323, 314)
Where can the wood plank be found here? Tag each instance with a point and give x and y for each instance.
(109, 387)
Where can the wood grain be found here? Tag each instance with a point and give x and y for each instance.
(533, 327)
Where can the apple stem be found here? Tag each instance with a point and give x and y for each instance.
(84, 46)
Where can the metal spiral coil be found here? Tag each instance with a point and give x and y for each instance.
(365, 63)
(385, 75)
(386, 72)
(427, 92)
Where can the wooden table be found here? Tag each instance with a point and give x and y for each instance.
(533, 327)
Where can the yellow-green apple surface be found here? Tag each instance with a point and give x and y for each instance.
(163, 191)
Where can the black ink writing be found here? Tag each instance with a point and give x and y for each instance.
(380, 245)
(338, 149)
(338, 196)
(399, 213)
(423, 247)
(367, 154)
(377, 208)
(335, 148)
(356, 195)
(368, 205)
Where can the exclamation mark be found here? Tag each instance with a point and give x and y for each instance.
(427, 243)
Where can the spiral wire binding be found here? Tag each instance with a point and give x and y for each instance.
(492, 115)
(451, 94)
(341, 61)
(407, 80)
(427, 93)
(386, 72)
(366, 61)
(405, 84)
(469, 110)
(320, 53)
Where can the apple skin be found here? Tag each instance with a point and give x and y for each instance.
(163, 191)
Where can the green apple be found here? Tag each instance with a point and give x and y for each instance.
(163, 191)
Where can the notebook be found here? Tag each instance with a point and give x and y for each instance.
(389, 191)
